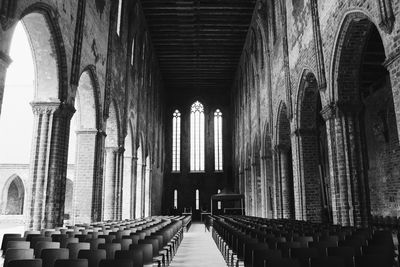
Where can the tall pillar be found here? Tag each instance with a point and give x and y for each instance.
(147, 192)
(85, 166)
(286, 182)
(277, 184)
(119, 167)
(127, 188)
(98, 183)
(253, 179)
(110, 183)
(138, 189)
(48, 165)
(348, 185)
(309, 189)
(143, 190)
(264, 187)
(133, 187)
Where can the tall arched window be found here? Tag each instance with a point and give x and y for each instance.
(197, 137)
(218, 139)
(219, 202)
(176, 141)
(197, 199)
(133, 51)
(175, 199)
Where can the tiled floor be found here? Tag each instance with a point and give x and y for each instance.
(198, 249)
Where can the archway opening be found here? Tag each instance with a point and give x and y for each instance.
(139, 178)
(363, 92)
(16, 120)
(82, 148)
(379, 131)
(111, 167)
(15, 197)
(312, 185)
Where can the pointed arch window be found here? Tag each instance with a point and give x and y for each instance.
(119, 18)
(219, 204)
(197, 199)
(197, 137)
(176, 141)
(133, 51)
(175, 199)
(218, 140)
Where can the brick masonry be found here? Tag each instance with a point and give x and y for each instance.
(326, 43)
(68, 39)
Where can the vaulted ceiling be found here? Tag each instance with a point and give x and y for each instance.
(198, 42)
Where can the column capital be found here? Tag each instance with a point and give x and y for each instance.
(5, 59)
(87, 131)
(391, 60)
(66, 110)
(328, 112)
(112, 149)
(44, 107)
(121, 149)
(281, 148)
(335, 108)
(101, 132)
(305, 132)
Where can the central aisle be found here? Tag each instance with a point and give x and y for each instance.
(198, 249)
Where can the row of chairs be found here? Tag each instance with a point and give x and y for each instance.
(249, 241)
(149, 242)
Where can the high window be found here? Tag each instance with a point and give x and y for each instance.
(176, 141)
(133, 52)
(197, 137)
(219, 202)
(175, 199)
(218, 140)
(119, 17)
(197, 199)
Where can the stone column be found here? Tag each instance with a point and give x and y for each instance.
(138, 189)
(98, 183)
(264, 187)
(58, 161)
(119, 181)
(85, 175)
(329, 114)
(348, 187)
(133, 187)
(110, 183)
(277, 184)
(253, 179)
(143, 190)
(311, 182)
(248, 184)
(48, 167)
(286, 182)
(147, 192)
(127, 188)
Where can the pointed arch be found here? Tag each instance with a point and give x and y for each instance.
(13, 195)
(41, 23)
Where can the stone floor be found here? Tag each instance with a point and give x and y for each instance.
(198, 249)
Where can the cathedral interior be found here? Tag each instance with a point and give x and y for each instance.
(275, 123)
